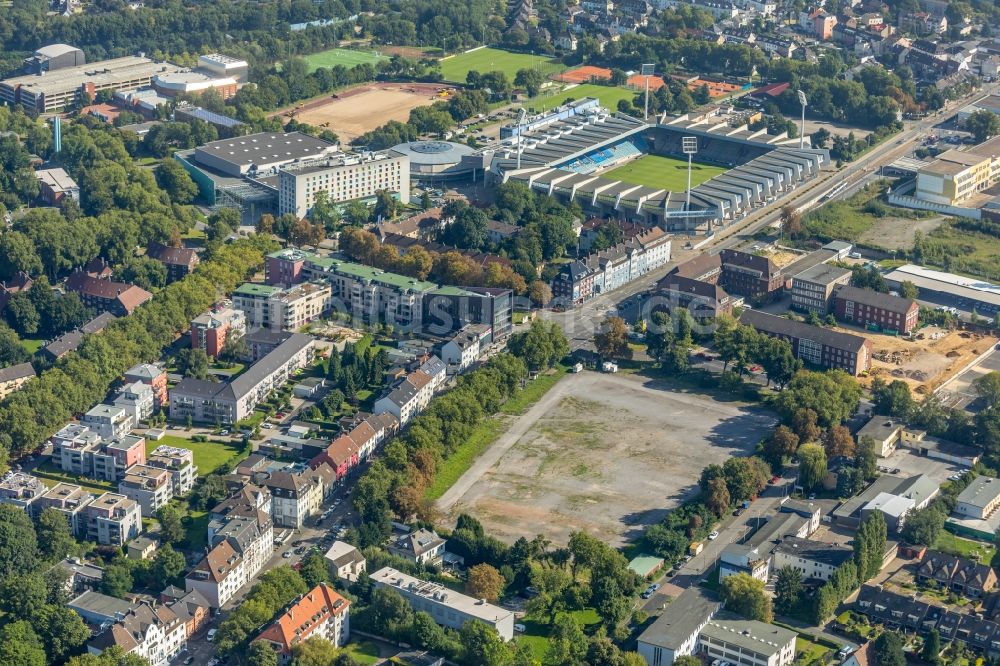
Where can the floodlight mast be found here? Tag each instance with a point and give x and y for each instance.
(520, 125)
(802, 124)
(689, 145)
(646, 70)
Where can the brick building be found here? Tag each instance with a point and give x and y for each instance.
(865, 307)
(815, 344)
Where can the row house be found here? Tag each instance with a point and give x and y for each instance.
(14, 377)
(612, 268)
(957, 574)
(295, 496)
(348, 450)
(319, 613)
(408, 398)
(896, 611)
(219, 575)
(149, 630)
(191, 608)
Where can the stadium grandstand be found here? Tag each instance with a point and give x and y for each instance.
(573, 158)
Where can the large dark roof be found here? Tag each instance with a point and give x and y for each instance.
(816, 551)
(775, 325)
(875, 299)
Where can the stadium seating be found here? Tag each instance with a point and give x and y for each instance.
(609, 156)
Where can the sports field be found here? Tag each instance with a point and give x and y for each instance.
(346, 57)
(609, 96)
(668, 173)
(455, 68)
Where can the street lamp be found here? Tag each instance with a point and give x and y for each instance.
(646, 70)
(802, 125)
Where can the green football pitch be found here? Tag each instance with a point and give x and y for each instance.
(668, 173)
(455, 68)
(346, 57)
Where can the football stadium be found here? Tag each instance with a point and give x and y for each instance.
(615, 165)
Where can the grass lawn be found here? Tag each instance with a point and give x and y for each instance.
(807, 652)
(346, 57)
(964, 250)
(536, 630)
(609, 96)
(32, 345)
(455, 68)
(850, 218)
(196, 530)
(954, 545)
(365, 652)
(208, 456)
(486, 433)
(51, 476)
(668, 173)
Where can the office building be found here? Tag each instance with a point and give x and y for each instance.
(868, 308)
(814, 344)
(55, 185)
(701, 299)
(748, 642)
(812, 289)
(675, 633)
(342, 177)
(447, 607)
(63, 88)
(979, 499)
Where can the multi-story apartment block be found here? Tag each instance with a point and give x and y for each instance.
(138, 400)
(180, 463)
(223, 403)
(814, 344)
(149, 630)
(69, 500)
(283, 309)
(79, 450)
(321, 613)
(812, 559)
(408, 398)
(295, 495)
(285, 267)
(111, 520)
(179, 261)
(219, 575)
(154, 377)
(108, 421)
(14, 377)
(345, 177)
(151, 487)
(20, 489)
(118, 298)
(252, 300)
(812, 289)
(375, 296)
(209, 331)
(871, 308)
(701, 299)
(447, 607)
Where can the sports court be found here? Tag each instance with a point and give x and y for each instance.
(455, 68)
(668, 173)
(346, 57)
(584, 74)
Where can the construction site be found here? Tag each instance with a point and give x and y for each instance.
(932, 357)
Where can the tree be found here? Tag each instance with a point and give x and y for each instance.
(171, 527)
(168, 565)
(567, 643)
(482, 644)
(717, 496)
(117, 581)
(923, 526)
(18, 549)
(781, 444)
(892, 399)
(804, 424)
(889, 650)
(744, 594)
(262, 654)
(932, 647)
(540, 293)
(866, 458)
(812, 465)
(869, 545)
(612, 340)
(833, 395)
(314, 570)
(55, 541)
(791, 222)
(687, 660)
(193, 363)
(314, 651)
(838, 441)
(787, 589)
(175, 181)
(61, 631)
(983, 124)
(988, 388)
(20, 645)
(745, 477)
(530, 79)
(541, 346)
(484, 582)
(908, 290)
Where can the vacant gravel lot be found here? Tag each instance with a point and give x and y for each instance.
(607, 454)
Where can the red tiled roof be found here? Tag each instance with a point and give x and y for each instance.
(304, 616)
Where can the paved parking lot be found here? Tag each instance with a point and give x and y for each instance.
(910, 464)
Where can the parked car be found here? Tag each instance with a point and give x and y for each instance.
(287, 554)
(713, 535)
(519, 628)
(211, 634)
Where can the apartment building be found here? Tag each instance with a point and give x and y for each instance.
(868, 308)
(747, 642)
(179, 261)
(69, 500)
(77, 449)
(812, 289)
(227, 403)
(465, 347)
(814, 344)
(283, 309)
(376, 296)
(14, 377)
(343, 177)
(20, 489)
(219, 575)
(285, 267)
(151, 487)
(408, 398)
(979, 499)
(812, 559)
(138, 401)
(108, 421)
(701, 299)
(111, 520)
(149, 630)
(321, 613)
(180, 463)
(295, 495)
(447, 607)
(118, 298)
(741, 273)
(152, 376)
(252, 300)
(210, 330)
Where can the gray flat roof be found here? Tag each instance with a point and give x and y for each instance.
(682, 618)
(981, 492)
(750, 635)
(264, 147)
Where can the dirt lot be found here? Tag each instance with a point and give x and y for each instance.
(897, 233)
(361, 109)
(932, 358)
(607, 454)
